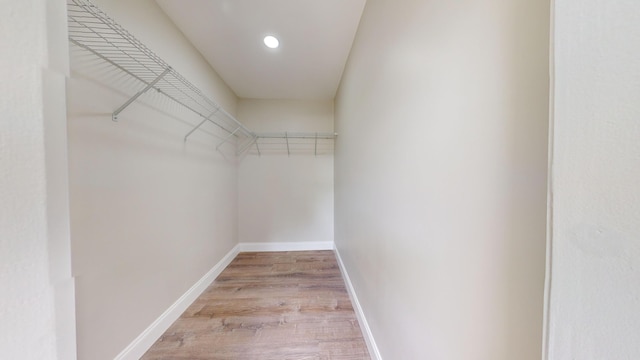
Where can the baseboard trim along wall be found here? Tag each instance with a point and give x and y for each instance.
(286, 246)
(150, 335)
(144, 341)
(364, 325)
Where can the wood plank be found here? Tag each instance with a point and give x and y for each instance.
(269, 305)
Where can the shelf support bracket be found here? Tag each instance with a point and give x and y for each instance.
(228, 137)
(115, 114)
(286, 136)
(254, 140)
(258, 148)
(208, 118)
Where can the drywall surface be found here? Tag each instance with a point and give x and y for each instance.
(36, 288)
(285, 198)
(150, 214)
(595, 282)
(440, 176)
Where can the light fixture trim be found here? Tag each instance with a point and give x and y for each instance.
(271, 42)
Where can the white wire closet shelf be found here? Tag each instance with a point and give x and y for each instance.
(299, 143)
(92, 30)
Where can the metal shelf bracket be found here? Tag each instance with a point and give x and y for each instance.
(228, 137)
(286, 136)
(254, 140)
(208, 118)
(115, 114)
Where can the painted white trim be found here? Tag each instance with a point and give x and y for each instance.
(548, 278)
(287, 246)
(364, 325)
(148, 337)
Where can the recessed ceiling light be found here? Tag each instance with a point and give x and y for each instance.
(271, 42)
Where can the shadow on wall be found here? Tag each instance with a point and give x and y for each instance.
(527, 140)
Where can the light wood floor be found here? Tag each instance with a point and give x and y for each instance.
(284, 305)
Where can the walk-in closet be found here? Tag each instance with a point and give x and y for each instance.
(319, 179)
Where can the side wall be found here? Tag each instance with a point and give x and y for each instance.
(285, 198)
(440, 176)
(150, 214)
(595, 273)
(36, 289)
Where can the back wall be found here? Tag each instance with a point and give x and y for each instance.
(284, 198)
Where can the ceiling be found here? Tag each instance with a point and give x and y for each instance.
(315, 40)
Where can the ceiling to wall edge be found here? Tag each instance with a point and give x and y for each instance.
(93, 30)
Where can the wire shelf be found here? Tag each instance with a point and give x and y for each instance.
(301, 143)
(94, 31)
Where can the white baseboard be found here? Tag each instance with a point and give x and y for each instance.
(286, 246)
(143, 342)
(364, 325)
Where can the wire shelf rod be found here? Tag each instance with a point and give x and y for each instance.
(288, 135)
(93, 30)
(248, 145)
(227, 138)
(102, 19)
(200, 124)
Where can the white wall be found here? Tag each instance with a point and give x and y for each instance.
(285, 198)
(440, 176)
(150, 215)
(36, 289)
(595, 277)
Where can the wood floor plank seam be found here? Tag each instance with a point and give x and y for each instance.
(269, 305)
